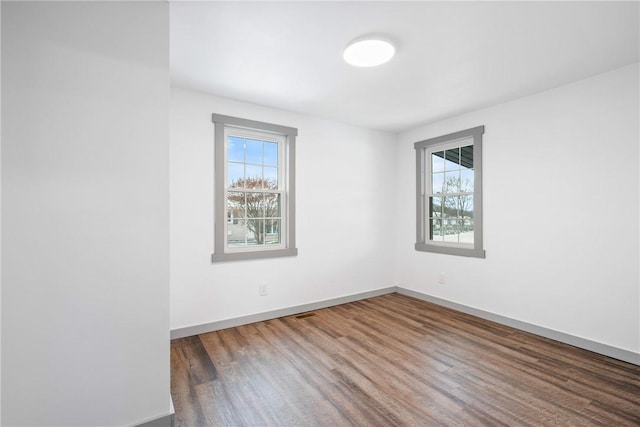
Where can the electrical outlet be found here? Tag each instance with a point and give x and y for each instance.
(262, 289)
(442, 279)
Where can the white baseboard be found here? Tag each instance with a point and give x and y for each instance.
(268, 315)
(596, 347)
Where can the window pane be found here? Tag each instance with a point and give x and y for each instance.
(237, 234)
(235, 205)
(270, 177)
(437, 183)
(253, 151)
(253, 183)
(272, 205)
(452, 159)
(235, 149)
(270, 153)
(466, 157)
(435, 207)
(466, 230)
(254, 205)
(435, 230)
(254, 173)
(235, 174)
(272, 232)
(452, 182)
(451, 231)
(466, 180)
(437, 161)
(256, 231)
(449, 207)
(465, 206)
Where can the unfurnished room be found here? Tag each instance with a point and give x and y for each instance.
(320, 213)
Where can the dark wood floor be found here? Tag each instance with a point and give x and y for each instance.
(395, 361)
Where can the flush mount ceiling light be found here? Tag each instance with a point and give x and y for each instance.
(369, 51)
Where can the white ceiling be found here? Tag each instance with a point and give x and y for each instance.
(452, 57)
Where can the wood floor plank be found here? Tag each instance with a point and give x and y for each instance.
(395, 361)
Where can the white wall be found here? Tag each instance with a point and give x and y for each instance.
(85, 204)
(561, 193)
(345, 223)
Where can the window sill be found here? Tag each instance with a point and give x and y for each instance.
(243, 256)
(451, 250)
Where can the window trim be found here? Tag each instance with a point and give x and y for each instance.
(422, 243)
(221, 123)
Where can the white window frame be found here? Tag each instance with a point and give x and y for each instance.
(424, 190)
(225, 126)
(262, 136)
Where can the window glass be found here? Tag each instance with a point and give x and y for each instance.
(270, 176)
(270, 154)
(235, 149)
(437, 161)
(253, 151)
(235, 174)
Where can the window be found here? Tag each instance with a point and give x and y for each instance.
(449, 194)
(254, 189)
